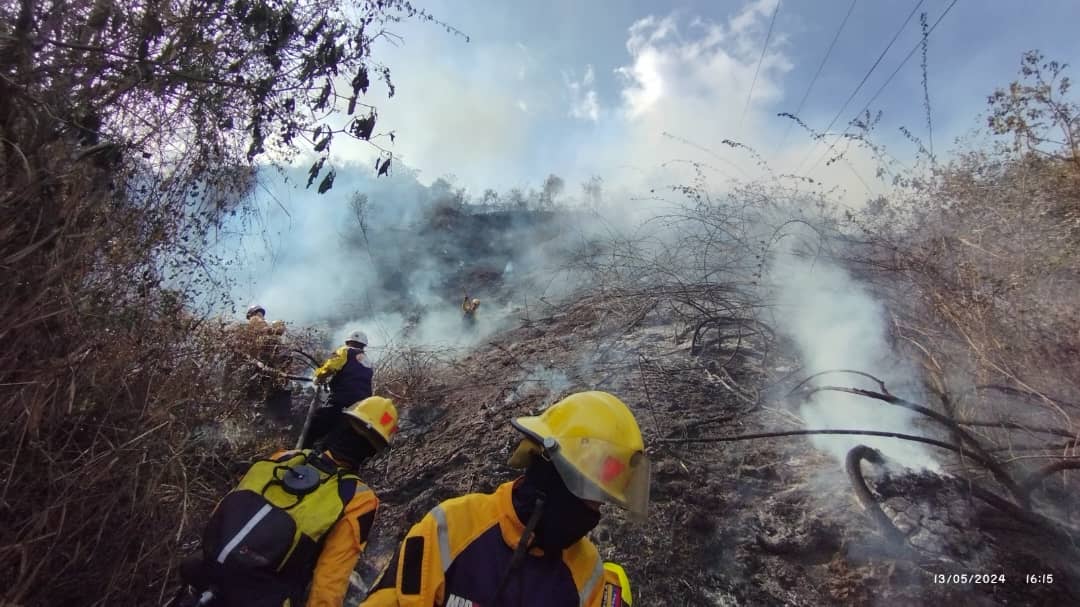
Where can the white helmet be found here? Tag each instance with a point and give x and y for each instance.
(357, 336)
(254, 309)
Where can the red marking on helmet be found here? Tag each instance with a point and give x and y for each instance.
(386, 418)
(612, 468)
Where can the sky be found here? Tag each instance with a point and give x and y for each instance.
(628, 90)
(631, 92)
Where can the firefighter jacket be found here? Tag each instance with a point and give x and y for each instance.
(457, 555)
(469, 306)
(258, 324)
(352, 376)
(266, 540)
(261, 340)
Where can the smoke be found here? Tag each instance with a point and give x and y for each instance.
(394, 258)
(540, 381)
(836, 323)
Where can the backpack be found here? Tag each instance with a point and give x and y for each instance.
(264, 538)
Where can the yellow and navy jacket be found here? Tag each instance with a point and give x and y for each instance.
(352, 376)
(456, 557)
(264, 544)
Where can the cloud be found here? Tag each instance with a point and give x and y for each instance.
(584, 103)
(644, 77)
(505, 113)
(690, 78)
(710, 63)
(688, 84)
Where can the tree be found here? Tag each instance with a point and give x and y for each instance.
(593, 191)
(1036, 112)
(130, 133)
(516, 199)
(360, 207)
(553, 186)
(225, 81)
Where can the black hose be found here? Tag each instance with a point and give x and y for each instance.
(853, 465)
(984, 458)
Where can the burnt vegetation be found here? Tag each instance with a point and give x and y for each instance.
(974, 260)
(131, 132)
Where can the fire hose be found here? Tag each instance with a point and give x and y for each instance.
(312, 406)
(266, 369)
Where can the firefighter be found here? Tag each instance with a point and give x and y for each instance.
(297, 518)
(263, 342)
(469, 307)
(348, 373)
(245, 343)
(525, 544)
(256, 316)
(265, 337)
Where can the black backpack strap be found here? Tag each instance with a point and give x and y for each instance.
(347, 488)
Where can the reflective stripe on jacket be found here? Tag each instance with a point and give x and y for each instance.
(352, 376)
(458, 554)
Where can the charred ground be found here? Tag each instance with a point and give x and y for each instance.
(762, 522)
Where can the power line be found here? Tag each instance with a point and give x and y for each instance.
(824, 60)
(865, 78)
(887, 81)
(764, 47)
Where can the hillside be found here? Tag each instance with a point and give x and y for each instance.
(759, 522)
(850, 395)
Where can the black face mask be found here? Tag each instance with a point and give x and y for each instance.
(348, 446)
(565, 519)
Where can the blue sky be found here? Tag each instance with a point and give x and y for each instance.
(589, 88)
(582, 88)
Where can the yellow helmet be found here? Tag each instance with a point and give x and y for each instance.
(595, 444)
(624, 582)
(374, 417)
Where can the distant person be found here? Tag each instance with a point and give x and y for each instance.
(253, 344)
(469, 307)
(348, 373)
(256, 316)
(266, 336)
(525, 544)
(297, 518)
(263, 342)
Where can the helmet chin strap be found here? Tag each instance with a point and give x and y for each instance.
(522, 546)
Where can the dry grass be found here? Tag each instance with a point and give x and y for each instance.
(120, 437)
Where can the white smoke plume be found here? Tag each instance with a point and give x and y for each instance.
(398, 270)
(835, 323)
